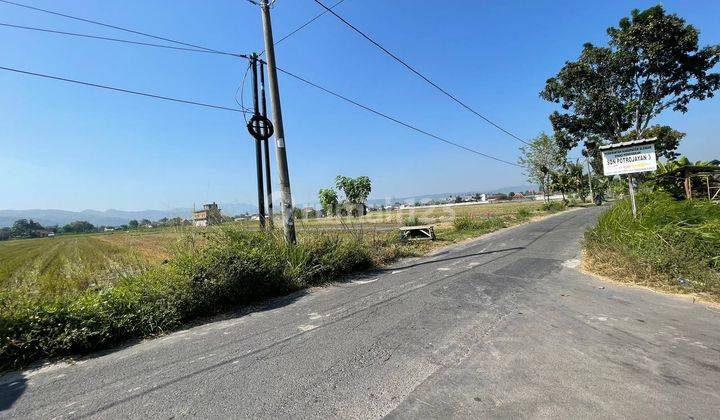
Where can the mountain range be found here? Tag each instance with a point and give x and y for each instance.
(121, 217)
(109, 217)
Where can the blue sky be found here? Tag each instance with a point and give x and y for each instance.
(70, 147)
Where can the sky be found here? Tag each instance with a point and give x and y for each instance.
(70, 147)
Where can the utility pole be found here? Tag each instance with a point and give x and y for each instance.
(283, 173)
(266, 148)
(258, 154)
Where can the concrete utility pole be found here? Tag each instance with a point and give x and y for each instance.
(266, 149)
(283, 173)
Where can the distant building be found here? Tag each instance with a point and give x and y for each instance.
(209, 215)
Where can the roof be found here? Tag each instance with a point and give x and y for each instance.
(628, 143)
(694, 170)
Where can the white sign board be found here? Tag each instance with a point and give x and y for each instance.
(629, 160)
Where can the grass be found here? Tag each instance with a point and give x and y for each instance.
(672, 246)
(64, 264)
(72, 295)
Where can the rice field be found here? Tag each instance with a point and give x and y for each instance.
(54, 266)
(58, 265)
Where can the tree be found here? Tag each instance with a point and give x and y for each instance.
(356, 191)
(5, 234)
(652, 63)
(577, 180)
(328, 200)
(666, 139)
(133, 224)
(541, 159)
(24, 228)
(78, 226)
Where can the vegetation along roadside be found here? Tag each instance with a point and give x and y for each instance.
(672, 246)
(207, 273)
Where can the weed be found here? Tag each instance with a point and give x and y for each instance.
(554, 206)
(670, 240)
(411, 221)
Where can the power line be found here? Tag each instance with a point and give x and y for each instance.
(125, 41)
(301, 27)
(94, 22)
(416, 72)
(241, 110)
(395, 120)
(133, 92)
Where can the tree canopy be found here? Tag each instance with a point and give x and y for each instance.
(78, 226)
(25, 228)
(542, 158)
(328, 200)
(652, 63)
(356, 190)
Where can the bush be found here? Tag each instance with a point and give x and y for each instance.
(674, 244)
(411, 221)
(523, 214)
(230, 268)
(554, 206)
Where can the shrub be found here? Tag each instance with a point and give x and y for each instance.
(463, 222)
(523, 214)
(229, 267)
(673, 243)
(411, 221)
(554, 206)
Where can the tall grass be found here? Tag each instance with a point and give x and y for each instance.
(227, 268)
(672, 244)
(480, 225)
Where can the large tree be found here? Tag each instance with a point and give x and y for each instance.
(356, 192)
(652, 63)
(542, 158)
(24, 228)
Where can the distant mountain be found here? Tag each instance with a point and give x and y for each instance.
(109, 217)
(440, 196)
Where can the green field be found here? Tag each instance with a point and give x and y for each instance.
(58, 265)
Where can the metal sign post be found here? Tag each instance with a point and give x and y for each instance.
(629, 158)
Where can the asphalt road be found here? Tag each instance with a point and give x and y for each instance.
(500, 327)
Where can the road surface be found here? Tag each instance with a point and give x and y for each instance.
(500, 327)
